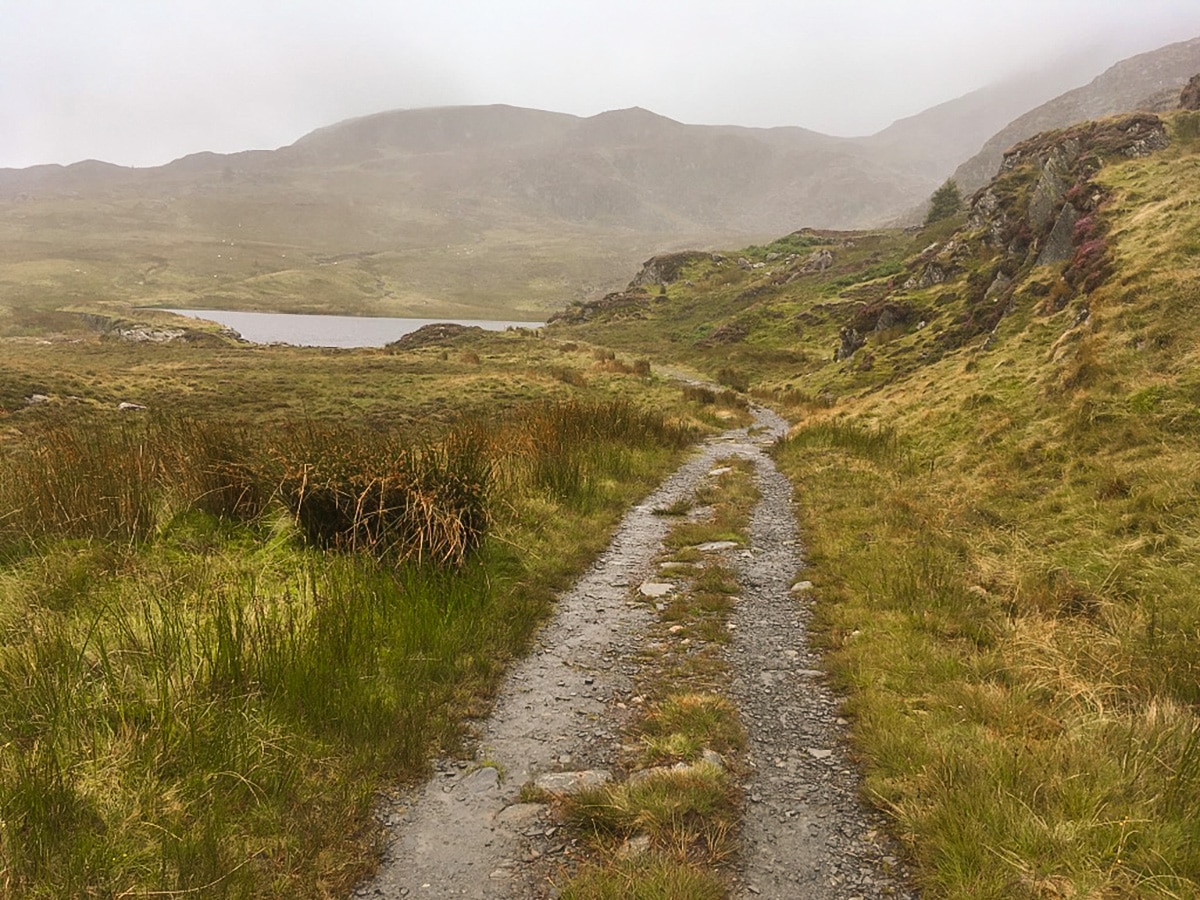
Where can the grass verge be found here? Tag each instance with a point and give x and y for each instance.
(669, 828)
(1017, 688)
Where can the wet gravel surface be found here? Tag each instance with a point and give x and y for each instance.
(806, 832)
(466, 834)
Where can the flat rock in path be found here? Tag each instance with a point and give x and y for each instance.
(520, 814)
(656, 588)
(714, 546)
(482, 780)
(572, 782)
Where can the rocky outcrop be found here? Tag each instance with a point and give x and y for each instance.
(1060, 244)
(628, 304)
(1043, 209)
(436, 333)
(819, 261)
(1189, 97)
(665, 269)
(1052, 185)
(849, 341)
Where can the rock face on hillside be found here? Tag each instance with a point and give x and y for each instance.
(1128, 86)
(1042, 210)
(1189, 97)
(665, 269)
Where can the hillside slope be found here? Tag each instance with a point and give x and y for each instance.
(996, 463)
(1147, 81)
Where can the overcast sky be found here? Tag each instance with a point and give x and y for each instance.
(142, 82)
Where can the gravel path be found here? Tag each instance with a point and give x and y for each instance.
(806, 833)
(466, 833)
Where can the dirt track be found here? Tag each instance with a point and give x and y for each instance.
(806, 835)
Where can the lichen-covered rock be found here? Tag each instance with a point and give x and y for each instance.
(1052, 186)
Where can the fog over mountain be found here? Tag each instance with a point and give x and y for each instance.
(1146, 81)
(140, 84)
(499, 209)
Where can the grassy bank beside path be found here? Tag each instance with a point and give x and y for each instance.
(218, 642)
(1023, 690)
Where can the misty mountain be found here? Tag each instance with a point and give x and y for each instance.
(1150, 81)
(471, 210)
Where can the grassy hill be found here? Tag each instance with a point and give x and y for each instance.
(996, 464)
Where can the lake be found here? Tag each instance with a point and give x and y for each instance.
(328, 331)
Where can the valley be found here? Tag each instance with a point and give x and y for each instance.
(258, 603)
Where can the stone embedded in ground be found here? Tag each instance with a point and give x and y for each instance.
(519, 814)
(819, 754)
(482, 780)
(802, 587)
(634, 846)
(656, 589)
(713, 758)
(721, 470)
(572, 782)
(714, 546)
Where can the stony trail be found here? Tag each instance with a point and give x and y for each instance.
(559, 715)
(806, 832)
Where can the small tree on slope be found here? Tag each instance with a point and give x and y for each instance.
(944, 203)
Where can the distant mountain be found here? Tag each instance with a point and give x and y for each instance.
(936, 140)
(1149, 81)
(465, 211)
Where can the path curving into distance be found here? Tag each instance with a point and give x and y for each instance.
(465, 833)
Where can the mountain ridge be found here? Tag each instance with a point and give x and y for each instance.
(464, 211)
(1128, 85)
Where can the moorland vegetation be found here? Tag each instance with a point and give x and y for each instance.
(227, 620)
(224, 629)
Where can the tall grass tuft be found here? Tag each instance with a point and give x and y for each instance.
(363, 491)
(879, 443)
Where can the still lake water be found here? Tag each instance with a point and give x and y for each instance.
(328, 331)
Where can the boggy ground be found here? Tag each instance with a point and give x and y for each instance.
(467, 833)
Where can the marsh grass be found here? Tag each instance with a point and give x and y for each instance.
(216, 645)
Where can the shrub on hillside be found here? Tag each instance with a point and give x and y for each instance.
(944, 203)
